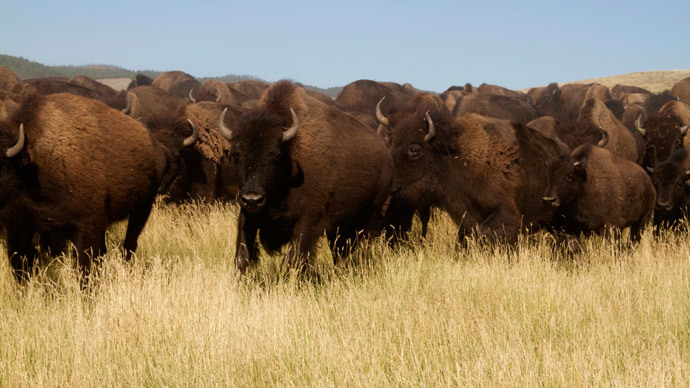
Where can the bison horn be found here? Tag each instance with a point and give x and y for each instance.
(128, 108)
(687, 172)
(191, 98)
(222, 128)
(432, 130)
(651, 170)
(684, 129)
(604, 137)
(292, 131)
(638, 126)
(219, 95)
(193, 137)
(19, 146)
(383, 120)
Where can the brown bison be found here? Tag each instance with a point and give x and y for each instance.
(670, 178)
(140, 80)
(77, 167)
(596, 190)
(681, 90)
(360, 97)
(326, 173)
(482, 171)
(497, 106)
(177, 83)
(565, 103)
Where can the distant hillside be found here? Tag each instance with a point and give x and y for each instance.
(27, 69)
(654, 81)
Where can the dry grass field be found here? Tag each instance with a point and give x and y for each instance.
(427, 313)
(654, 81)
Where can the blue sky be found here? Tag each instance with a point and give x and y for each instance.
(432, 44)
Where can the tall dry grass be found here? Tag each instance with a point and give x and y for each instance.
(424, 314)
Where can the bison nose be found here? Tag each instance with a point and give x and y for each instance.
(252, 201)
(665, 205)
(553, 201)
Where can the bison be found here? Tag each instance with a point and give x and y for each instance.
(326, 173)
(670, 178)
(482, 171)
(595, 189)
(77, 167)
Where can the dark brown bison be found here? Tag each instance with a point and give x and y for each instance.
(482, 171)
(77, 167)
(565, 103)
(485, 88)
(621, 140)
(620, 91)
(177, 83)
(140, 80)
(326, 173)
(596, 189)
(206, 169)
(681, 90)
(151, 103)
(53, 85)
(670, 178)
(497, 106)
(360, 97)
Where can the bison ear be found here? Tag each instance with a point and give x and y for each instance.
(297, 175)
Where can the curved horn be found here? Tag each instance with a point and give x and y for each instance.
(638, 126)
(604, 137)
(292, 131)
(432, 130)
(687, 173)
(651, 170)
(684, 129)
(19, 146)
(383, 120)
(128, 108)
(219, 95)
(193, 137)
(191, 98)
(222, 128)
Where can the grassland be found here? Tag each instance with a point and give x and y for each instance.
(654, 81)
(427, 313)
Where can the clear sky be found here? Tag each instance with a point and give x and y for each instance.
(431, 44)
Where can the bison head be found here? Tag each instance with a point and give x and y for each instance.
(548, 103)
(661, 132)
(669, 178)
(564, 180)
(261, 142)
(418, 146)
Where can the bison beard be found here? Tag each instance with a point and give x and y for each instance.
(326, 173)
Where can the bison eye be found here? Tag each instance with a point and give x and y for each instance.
(413, 151)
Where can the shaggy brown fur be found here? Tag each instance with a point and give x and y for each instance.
(10, 82)
(360, 97)
(177, 83)
(332, 177)
(596, 189)
(86, 166)
(480, 170)
(497, 106)
(681, 90)
(621, 141)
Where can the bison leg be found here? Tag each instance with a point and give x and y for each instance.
(424, 216)
(502, 224)
(304, 238)
(90, 244)
(135, 224)
(21, 252)
(245, 250)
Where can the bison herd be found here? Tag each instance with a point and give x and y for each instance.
(78, 156)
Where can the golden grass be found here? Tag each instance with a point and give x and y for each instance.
(654, 81)
(425, 314)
